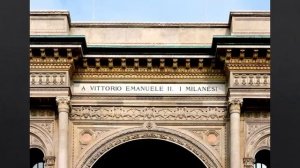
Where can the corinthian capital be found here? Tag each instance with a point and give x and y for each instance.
(49, 160)
(248, 162)
(235, 105)
(63, 103)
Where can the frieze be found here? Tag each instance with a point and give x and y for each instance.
(42, 114)
(147, 113)
(146, 98)
(48, 79)
(250, 80)
(50, 60)
(140, 75)
(50, 66)
(256, 115)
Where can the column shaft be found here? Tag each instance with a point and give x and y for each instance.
(63, 124)
(234, 140)
(235, 110)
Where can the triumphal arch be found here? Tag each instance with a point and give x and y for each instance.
(99, 88)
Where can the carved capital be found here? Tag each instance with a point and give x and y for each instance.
(235, 105)
(63, 103)
(49, 160)
(248, 162)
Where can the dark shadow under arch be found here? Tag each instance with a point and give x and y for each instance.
(262, 157)
(148, 153)
(36, 158)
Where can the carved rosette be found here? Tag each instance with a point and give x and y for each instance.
(211, 136)
(235, 105)
(248, 162)
(63, 103)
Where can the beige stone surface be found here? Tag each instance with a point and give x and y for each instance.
(90, 125)
(149, 36)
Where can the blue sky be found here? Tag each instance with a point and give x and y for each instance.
(150, 10)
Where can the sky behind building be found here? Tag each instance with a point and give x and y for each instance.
(150, 10)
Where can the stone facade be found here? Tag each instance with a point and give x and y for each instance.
(223, 129)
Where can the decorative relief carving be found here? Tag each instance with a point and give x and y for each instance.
(235, 105)
(94, 154)
(149, 125)
(252, 127)
(253, 116)
(34, 141)
(147, 75)
(258, 140)
(39, 66)
(63, 103)
(248, 162)
(49, 161)
(48, 79)
(41, 139)
(48, 126)
(211, 136)
(42, 113)
(264, 142)
(250, 80)
(88, 135)
(147, 113)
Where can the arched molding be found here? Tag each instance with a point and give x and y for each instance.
(40, 139)
(258, 140)
(200, 149)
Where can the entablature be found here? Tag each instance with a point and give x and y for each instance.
(152, 101)
(49, 92)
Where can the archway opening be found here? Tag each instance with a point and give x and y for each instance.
(36, 158)
(262, 159)
(148, 153)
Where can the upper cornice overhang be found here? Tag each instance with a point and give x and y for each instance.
(248, 14)
(262, 40)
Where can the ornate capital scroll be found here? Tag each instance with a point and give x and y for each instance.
(63, 103)
(235, 105)
(248, 162)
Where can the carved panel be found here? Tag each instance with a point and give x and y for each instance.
(250, 80)
(36, 142)
(42, 114)
(253, 116)
(47, 126)
(147, 113)
(258, 140)
(213, 137)
(48, 79)
(254, 126)
(86, 135)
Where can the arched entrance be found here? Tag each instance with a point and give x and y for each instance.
(262, 159)
(149, 153)
(96, 150)
(36, 158)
